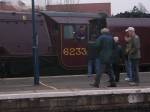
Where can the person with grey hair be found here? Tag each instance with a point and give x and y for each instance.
(104, 44)
(134, 55)
(104, 30)
(117, 55)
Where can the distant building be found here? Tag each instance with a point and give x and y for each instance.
(89, 7)
(6, 6)
(10, 6)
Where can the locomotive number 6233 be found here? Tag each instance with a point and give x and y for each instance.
(74, 51)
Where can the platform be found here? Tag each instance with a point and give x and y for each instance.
(72, 94)
(69, 82)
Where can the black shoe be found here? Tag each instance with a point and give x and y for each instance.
(117, 80)
(112, 85)
(94, 85)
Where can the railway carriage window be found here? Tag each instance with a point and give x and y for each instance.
(69, 32)
(75, 31)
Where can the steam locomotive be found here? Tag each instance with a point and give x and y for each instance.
(62, 40)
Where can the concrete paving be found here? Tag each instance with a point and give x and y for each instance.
(72, 94)
(65, 83)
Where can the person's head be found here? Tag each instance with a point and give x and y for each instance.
(82, 28)
(130, 31)
(116, 39)
(104, 30)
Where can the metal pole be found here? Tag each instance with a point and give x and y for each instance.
(35, 47)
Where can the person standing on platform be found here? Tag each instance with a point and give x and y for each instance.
(93, 60)
(134, 55)
(117, 54)
(127, 61)
(104, 44)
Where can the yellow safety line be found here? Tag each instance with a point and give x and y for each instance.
(51, 87)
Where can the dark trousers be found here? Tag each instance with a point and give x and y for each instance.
(103, 68)
(116, 70)
(135, 70)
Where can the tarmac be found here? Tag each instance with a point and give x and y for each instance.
(66, 83)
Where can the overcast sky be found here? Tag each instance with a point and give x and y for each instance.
(122, 5)
(116, 5)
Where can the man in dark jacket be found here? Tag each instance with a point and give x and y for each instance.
(104, 44)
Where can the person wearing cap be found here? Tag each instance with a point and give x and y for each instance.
(104, 44)
(134, 54)
(117, 55)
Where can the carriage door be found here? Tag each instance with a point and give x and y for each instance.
(73, 45)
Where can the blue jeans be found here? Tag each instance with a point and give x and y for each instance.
(128, 68)
(103, 68)
(96, 66)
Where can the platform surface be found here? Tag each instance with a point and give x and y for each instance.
(68, 83)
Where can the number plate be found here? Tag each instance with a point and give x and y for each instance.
(74, 51)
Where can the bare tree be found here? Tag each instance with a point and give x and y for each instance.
(71, 5)
(142, 8)
(21, 3)
(64, 5)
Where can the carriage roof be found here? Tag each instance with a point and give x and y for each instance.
(145, 22)
(71, 14)
(71, 17)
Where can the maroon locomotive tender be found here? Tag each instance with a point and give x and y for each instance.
(62, 40)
